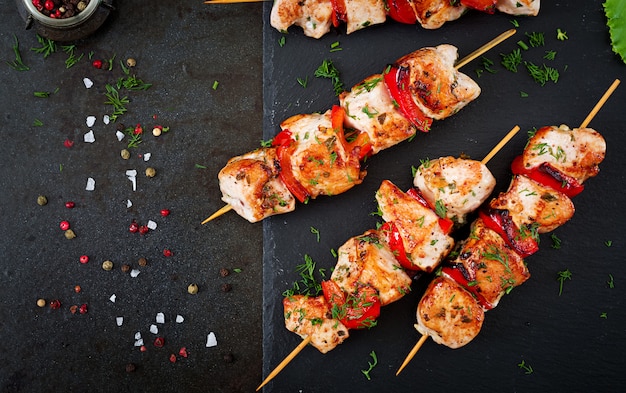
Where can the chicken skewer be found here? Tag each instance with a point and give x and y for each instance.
(366, 260)
(574, 156)
(316, 17)
(260, 183)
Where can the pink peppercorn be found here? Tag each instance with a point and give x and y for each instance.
(84, 259)
(83, 309)
(167, 252)
(173, 358)
(55, 304)
(159, 342)
(68, 143)
(70, 204)
(97, 64)
(134, 227)
(64, 225)
(183, 352)
(143, 229)
(165, 212)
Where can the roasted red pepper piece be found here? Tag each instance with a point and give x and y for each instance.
(488, 6)
(457, 275)
(401, 11)
(394, 240)
(397, 82)
(361, 142)
(445, 224)
(498, 220)
(339, 12)
(283, 138)
(548, 176)
(284, 148)
(355, 310)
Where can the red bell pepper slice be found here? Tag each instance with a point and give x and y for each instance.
(488, 6)
(394, 240)
(549, 176)
(457, 275)
(445, 223)
(498, 220)
(284, 152)
(283, 138)
(401, 11)
(397, 82)
(361, 142)
(355, 310)
(339, 12)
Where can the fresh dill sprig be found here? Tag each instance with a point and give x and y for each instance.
(328, 70)
(17, 64)
(47, 47)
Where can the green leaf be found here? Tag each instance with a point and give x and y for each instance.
(615, 11)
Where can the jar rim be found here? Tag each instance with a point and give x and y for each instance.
(64, 22)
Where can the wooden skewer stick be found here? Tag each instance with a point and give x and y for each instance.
(584, 124)
(461, 63)
(285, 361)
(485, 160)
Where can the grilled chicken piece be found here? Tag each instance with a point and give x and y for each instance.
(449, 314)
(488, 264)
(424, 241)
(320, 161)
(576, 152)
(313, 16)
(437, 87)
(457, 186)
(369, 108)
(363, 13)
(366, 259)
(432, 14)
(251, 185)
(534, 207)
(312, 316)
(519, 7)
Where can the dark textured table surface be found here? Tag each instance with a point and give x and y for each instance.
(182, 49)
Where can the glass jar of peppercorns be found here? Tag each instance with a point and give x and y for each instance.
(61, 13)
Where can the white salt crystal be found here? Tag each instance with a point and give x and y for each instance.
(91, 184)
(89, 137)
(88, 83)
(154, 329)
(211, 341)
(120, 135)
(134, 273)
(160, 318)
(139, 342)
(147, 156)
(138, 336)
(129, 204)
(179, 319)
(132, 176)
(112, 298)
(119, 321)
(152, 225)
(91, 120)
(106, 119)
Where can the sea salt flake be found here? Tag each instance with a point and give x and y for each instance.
(139, 342)
(147, 156)
(154, 329)
(112, 298)
(138, 336)
(132, 176)
(89, 137)
(88, 83)
(129, 204)
(91, 120)
(119, 321)
(152, 225)
(179, 319)
(106, 119)
(91, 184)
(211, 340)
(120, 135)
(134, 273)
(160, 318)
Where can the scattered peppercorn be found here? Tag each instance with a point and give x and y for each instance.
(107, 265)
(41, 302)
(131, 62)
(165, 212)
(55, 304)
(183, 352)
(150, 172)
(192, 289)
(69, 234)
(97, 64)
(130, 367)
(159, 342)
(84, 259)
(134, 227)
(42, 200)
(125, 268)
(142, 261)
(143, 229)
(73, 309)
(125, 154)
(156, 131)
(83, 309)
(224, 272)
(167, 252)
(77, 288)
(68, 143)
(70, 204)
(64, 225)
(226, 287)
(172, 358)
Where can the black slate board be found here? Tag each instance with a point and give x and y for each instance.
(565, 339)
